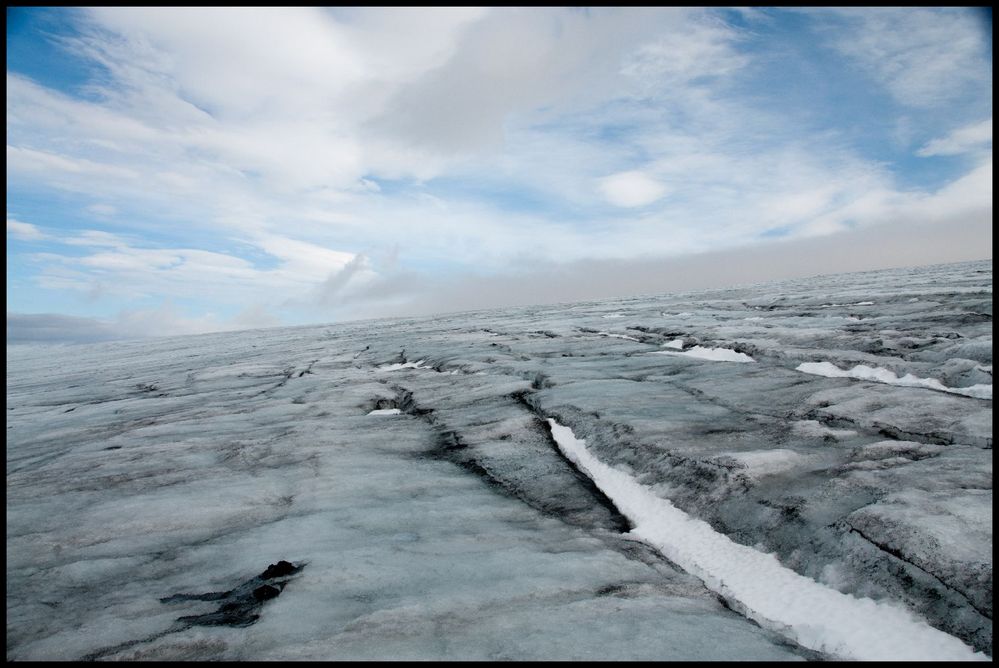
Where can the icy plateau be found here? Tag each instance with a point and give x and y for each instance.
(795, 470)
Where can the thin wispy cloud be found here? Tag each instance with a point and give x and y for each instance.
(303, 164)
(975, 137)
(26, 231)
(923, 58)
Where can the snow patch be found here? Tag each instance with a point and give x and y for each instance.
(403, 365)
(386, 411)
(713, 354)
(675, 343)
(613, 315)
(850, 304)
(879, 375)
(811, 613)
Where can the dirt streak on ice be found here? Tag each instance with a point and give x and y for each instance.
(812, 614)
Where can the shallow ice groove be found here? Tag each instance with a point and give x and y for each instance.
(863, 372)
(813, 614)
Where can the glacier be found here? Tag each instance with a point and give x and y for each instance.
(395, 489)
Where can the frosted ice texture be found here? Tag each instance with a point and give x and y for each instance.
(448, 525)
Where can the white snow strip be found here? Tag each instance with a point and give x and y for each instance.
(879, 375)
(405, 365)
(812, 614)
(386, 411)
(613, 315)
(619, 336)
(850, 304)
(713, 354)
(675, 343)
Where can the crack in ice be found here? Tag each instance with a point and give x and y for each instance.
(814, 615)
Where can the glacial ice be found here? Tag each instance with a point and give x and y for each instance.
(713, 354)
(177, 469)
(386, 411)
(816, 616)
(879, 375)
(619, 336)
(402, 365)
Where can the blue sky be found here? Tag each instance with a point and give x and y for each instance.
(181, 170)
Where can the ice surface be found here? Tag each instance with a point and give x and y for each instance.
(814, 615)
(140, 471)
(875, 374)
(402, 365)
(761, 463)
(815, 428)
(713, 354)
(618, 336)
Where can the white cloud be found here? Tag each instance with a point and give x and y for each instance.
(700, 49)
(925, 57)
(302, 145)
(25, 231)
(968, 197)
(115, 268)
(962, 140)
(307, 260)
(95, 238)
(631, 189)
(512, 62)
(52, 165)
(300, 167)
